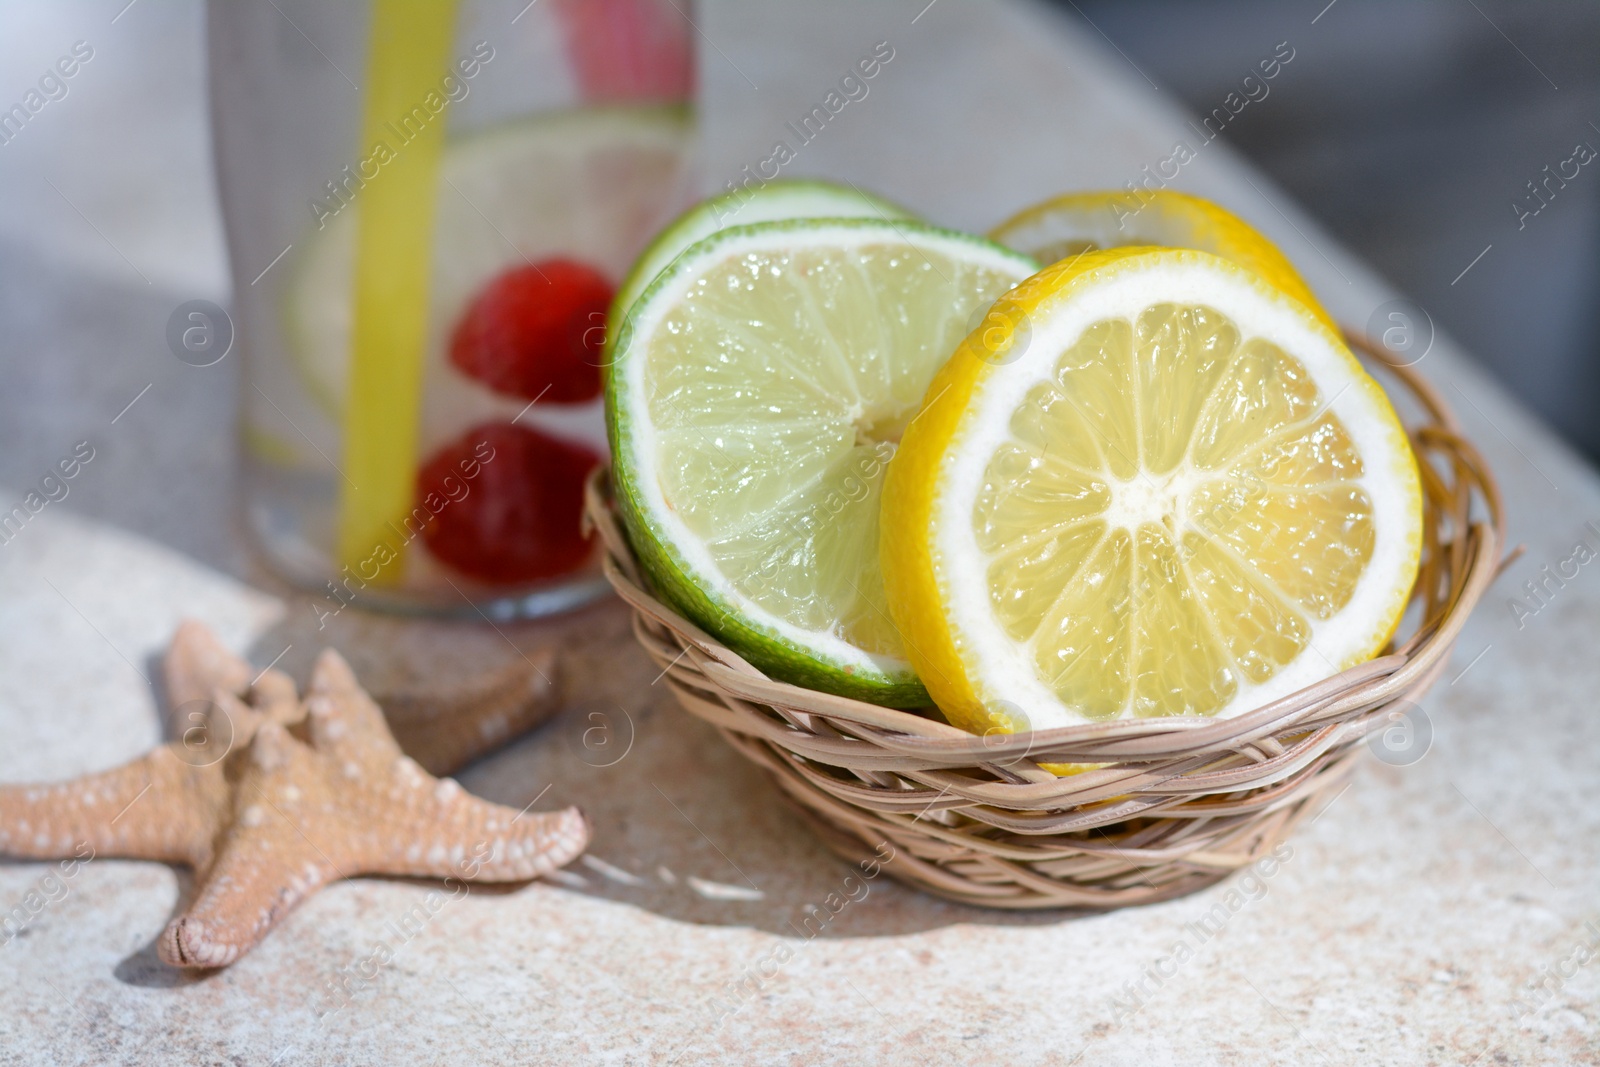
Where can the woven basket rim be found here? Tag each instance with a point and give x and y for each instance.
(1360, 687)
(1170, 805)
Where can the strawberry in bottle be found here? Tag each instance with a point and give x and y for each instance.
(506, 504)
(536, 332)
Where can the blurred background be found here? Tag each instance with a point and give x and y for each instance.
(1411, 128)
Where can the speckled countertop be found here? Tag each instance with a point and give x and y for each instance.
(1412, 923)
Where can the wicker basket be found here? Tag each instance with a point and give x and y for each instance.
(1178, 804)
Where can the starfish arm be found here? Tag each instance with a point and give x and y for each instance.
(341, 719)
(446, 729)
(267, 862)
(156, 808)
(228, 725)
(197, 664)
(432, 828)
(258, 878)
(274, 695)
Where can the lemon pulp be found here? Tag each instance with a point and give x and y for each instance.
(1172, 510)
(1158, 486)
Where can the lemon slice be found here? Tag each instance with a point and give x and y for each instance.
(1070, 225)
(1153, 486)
(591, 183)
(783, 198)
(755, 396)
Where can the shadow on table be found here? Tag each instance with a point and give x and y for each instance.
(88, 360)
(683, 826)
(688, 829)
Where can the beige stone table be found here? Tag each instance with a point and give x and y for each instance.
(1408, 925)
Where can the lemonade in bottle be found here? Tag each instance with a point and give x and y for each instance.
(429, 205)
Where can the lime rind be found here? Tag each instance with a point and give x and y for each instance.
(705, 598)
(779, 200)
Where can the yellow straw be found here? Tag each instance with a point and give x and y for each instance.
(410, 46)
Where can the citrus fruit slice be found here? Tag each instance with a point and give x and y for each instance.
(783, 198)
(1155, 486)
(755, 396)
(588, 185)
(1069, 225)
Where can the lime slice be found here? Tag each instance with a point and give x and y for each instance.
(592, 184)
(784, 198)
(756, 395)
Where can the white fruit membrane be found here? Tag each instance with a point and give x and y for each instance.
(999, 667)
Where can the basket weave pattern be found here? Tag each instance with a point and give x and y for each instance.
(1178, 802)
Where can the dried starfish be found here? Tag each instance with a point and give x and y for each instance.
(444, 728)
(270, 798)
